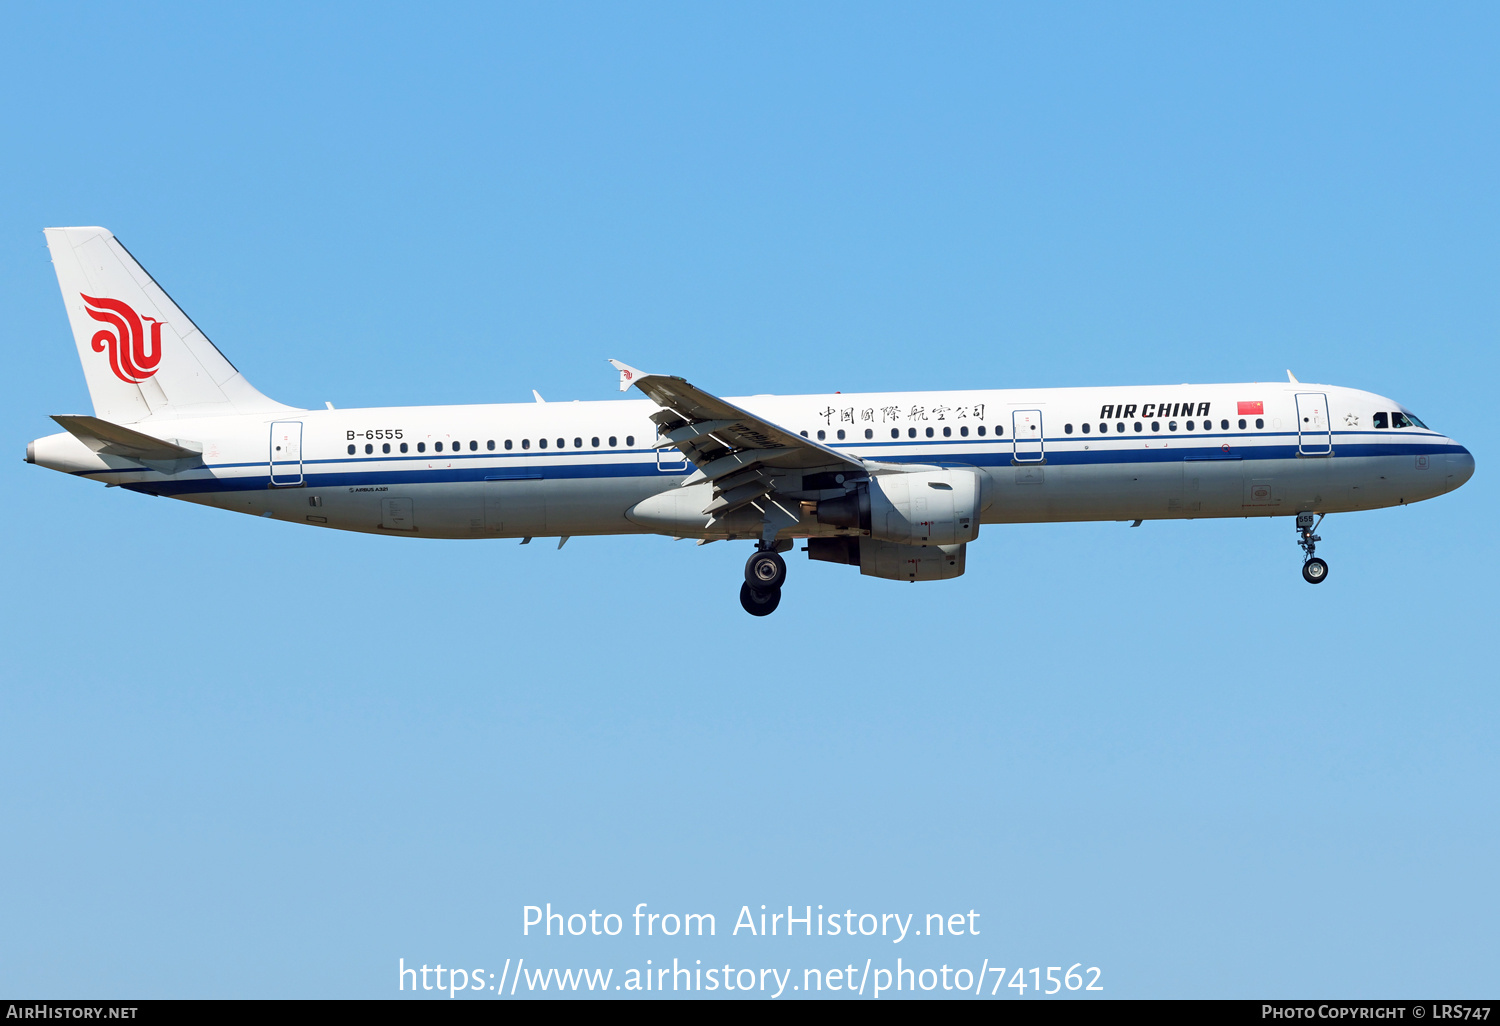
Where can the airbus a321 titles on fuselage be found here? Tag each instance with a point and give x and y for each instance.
(894, 483)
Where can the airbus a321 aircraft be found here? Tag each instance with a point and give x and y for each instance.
(894, 483)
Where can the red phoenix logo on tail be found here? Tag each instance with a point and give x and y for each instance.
(128, 355)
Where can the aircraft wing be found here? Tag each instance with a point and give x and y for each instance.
(735, 449)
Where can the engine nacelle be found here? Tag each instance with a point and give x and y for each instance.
(889, 560)
(929, 507)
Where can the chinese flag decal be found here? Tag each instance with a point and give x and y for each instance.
(1252, 409)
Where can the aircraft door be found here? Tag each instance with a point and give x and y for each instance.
(670, 459)
(1026, 434)
(286, 453)
(1314, 433)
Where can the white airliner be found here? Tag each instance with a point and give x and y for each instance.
(895, 483)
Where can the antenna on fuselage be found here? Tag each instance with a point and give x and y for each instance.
(1291, 378)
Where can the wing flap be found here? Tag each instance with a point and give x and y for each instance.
(744, 457)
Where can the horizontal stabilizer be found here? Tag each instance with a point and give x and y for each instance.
(113, 440)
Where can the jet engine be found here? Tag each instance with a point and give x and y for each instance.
(929, 507)
(889, 560)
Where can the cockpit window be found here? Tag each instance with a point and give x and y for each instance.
(1415, 422)
(1400, 420)
(1380, 420)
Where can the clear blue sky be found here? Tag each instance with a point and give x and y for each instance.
(241, 758)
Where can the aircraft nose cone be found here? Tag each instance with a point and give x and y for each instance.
(1460, 467)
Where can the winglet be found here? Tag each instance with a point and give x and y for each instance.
(628, 374)
(1292, 379)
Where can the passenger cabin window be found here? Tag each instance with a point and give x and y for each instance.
(594, 442)
(369, 449)
(804, 434)
(1086, 429)
(869, 433)
(1224, 425)
(1067, 429)
(437, 446)
(474, 445)
(841, 434)
(630, 439)
(964, 431)
(351, 450)
(1259, 423)
(1104, 429)
(507, 444)
(1119, 427)
(526, 443)
(1171, 425)
(403, 446)
(911, 432)
(929, 432)
(1139, 427)
(947, 432)
(821, 435)
(562, 443)
(1242, 423)
(1156, 425)
(578, 443)
(490, 445)
(541, 443)
(385, 446)
(421, 447)
(1189, 425)
(612, 442)
(981, 431)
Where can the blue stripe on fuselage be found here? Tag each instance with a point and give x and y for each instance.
(1000, 454)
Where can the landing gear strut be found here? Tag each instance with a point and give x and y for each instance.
(1314, 570)
(765, 573)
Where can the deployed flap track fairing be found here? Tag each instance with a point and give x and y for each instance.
(755, 479)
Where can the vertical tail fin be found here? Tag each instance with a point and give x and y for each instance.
(142, 356)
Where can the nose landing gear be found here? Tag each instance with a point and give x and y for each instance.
(765, 573)
(1314, 570)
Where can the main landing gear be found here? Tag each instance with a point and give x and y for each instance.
(765, 573)
(1314, 570)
